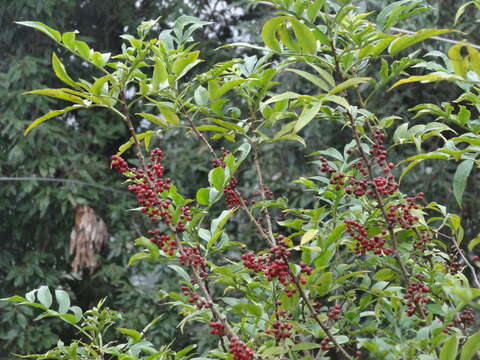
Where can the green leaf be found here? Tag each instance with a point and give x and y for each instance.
(77, 312)
(449, 349)
(44, 296)
(461, 10)
(304, 35)
(324, 74)
(201, 96)
(216, 178)
(15, 298)
(336, 234)
(160, 75)
(69, 318)
(61, 73)
(169, 115)
(471, 347)
(474, 242)
(68, 40)
(146, 243)
(460, 179)
(181, 272)
(63, 301)
(153, 119)
(406, 41)
(212, 128)
(99, 59)
(54, 34)
(202, 196)
(138, 256)
(384, 275)
(304, 346)
(58, 94)
(307, 115)
(269, 31)
(133, 334)
(216, 227)
(312, 78)
(182, 62)
(100, 85)
(49, 115)
(280, 97)
(308, 236)
(349, 83)
(253, 309)
(433, 77)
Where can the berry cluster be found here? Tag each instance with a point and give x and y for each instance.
(326, 168)
(240, 350)
(230, 193)
(416, 295)
(119, 164)
(378, 148)
(220, 162)
(401, 214)
(217, 328)
(194, 297)
(384, 185)
(165, 242)
(192, 257)
(337, 179)
(357, 187)
(184, 216)
(268, 193)
(333, 312)
(280, 328)
(325, 344)
(465, 318)
(147, 184)
(365, 243)
(274, 265)
(421, 243)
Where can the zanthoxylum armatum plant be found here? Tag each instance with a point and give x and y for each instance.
(367, 271)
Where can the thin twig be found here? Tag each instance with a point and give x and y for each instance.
(200, 135)
(460, 251)
(265, 211)
(315, 316)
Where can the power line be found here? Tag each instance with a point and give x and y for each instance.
(78, 182)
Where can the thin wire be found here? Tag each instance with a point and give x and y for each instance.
(79, 182)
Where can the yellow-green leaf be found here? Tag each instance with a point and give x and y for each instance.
(160, 75)
(58, 94)
(348, 83)
(304, 35)
(449, 349)
(169, 115)
(433, 77)
(306, 116)
(471, 347)
(99, 85)
(308, 236)
(269, 33)
(153, 119)
(60, 71)
(312, 78)
(49, 115)
(406, 41)
(54, 34)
